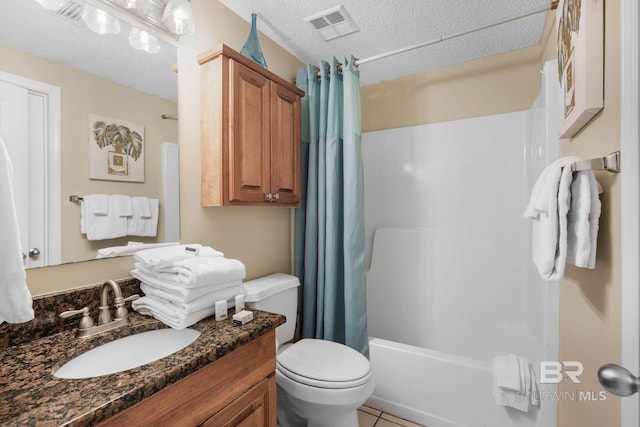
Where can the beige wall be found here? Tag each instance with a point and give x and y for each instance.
(82, 94)
(258, 236)
(589, 299)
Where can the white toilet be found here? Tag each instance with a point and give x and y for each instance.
(320, 383)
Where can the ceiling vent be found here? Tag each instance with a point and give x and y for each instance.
(70, 11)
(333, 23)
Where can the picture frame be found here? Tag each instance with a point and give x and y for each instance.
(116, 149)
(580, 25)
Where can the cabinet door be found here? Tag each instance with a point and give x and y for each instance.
(249, 137)
(285, 145)
(255, 408)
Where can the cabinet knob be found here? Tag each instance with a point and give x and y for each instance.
(277, 196)
(270, 197)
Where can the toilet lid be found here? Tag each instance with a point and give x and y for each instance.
(325, 364)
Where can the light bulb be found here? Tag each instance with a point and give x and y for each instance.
(142, 40)
(51, 4)
(129, 4)
(100, 21)
(178, 17)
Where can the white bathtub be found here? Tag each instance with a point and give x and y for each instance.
(438, 389)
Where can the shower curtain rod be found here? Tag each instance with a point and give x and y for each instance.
(357, 62)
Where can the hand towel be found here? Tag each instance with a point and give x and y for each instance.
(121, 204)
(16, 304)
(518, 394)
(507, 369)
(112, 225)
(163, 257)
(144, 220)
(548, 206)
(198, 271)
(583, 220)
(92, 204)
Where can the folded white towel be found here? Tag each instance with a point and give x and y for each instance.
(144, 220)
(16, 304)
(196, 272)
(507, 369)
(514, 382)
(121, 205)
(92, 204)
(180, 318)
(179, 294)
(147, 307)
(129, 249)
(112, 225)
(167, 256)
(582, 221)
(548, 207)
(203, 301)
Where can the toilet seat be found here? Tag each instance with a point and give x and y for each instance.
(324, 364)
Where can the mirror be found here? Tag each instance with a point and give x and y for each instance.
(95, 75)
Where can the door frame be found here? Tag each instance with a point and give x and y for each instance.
(52, 95)
(630, 200)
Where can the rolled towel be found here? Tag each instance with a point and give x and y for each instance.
(164, 257)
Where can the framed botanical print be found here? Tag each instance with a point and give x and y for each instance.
(580, 61)
(116, 149)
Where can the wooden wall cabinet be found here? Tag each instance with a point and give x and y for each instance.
(237, 390)
(250, 143)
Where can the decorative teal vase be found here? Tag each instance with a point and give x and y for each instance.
(251, 48)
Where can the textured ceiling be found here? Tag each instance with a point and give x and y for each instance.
(26, 26)
(387, 25)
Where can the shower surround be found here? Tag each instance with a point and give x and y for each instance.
(450, 281)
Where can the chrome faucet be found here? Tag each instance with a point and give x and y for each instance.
(87, 328)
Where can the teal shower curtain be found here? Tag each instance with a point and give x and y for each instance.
(329, 227)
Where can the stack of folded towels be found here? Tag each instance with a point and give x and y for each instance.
(514, 382)
(182, 283)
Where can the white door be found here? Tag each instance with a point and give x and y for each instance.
(22, 124)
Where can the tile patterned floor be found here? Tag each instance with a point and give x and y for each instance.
(371, 417)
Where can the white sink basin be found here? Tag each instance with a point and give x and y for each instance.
(127, 353)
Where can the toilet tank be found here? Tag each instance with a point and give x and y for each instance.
(277, 293)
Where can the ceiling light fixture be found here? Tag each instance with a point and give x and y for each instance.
(51, 4)
(178, 17)
(100, 21)
(165, 20)
(142, 40)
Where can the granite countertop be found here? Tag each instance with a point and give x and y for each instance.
(31, 395)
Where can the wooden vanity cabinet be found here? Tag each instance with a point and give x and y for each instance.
(239, 389)
(250, 142)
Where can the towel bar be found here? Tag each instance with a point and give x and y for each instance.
(609, 163)
(75, 199)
